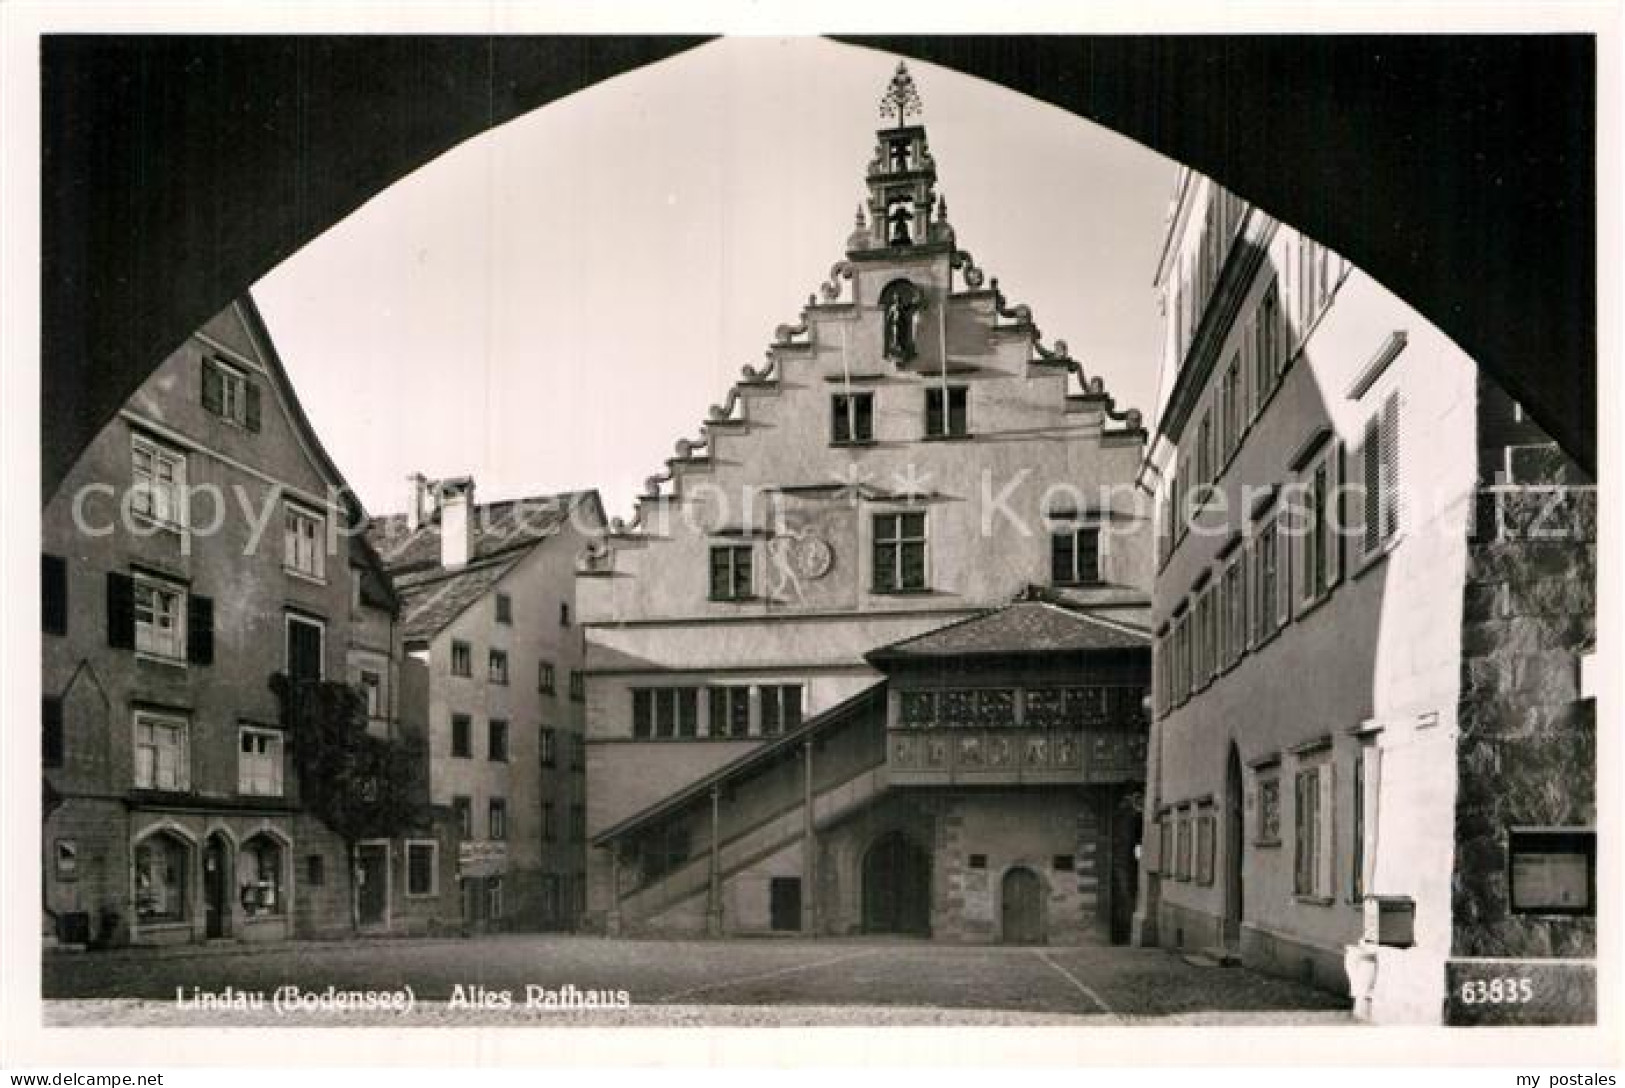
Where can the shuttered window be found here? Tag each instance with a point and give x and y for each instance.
(52, 742)
(231, 394)
(53, 595)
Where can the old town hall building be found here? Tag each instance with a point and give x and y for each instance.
(872, 654)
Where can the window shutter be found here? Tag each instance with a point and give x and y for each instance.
(54, 594)
(1325, 831)
(1283, 570)
(1300, 842)
(1335, 525)
(120, 611)
(51, 741)
(1389, 462)
(212, 383)
(251, 406)
(199, 630)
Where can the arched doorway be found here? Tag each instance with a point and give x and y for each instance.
(1233, 831)
(217, 883)
(1021, 908)
(896, 887)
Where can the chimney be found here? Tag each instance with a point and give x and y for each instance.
(417, 488)
(456, 522)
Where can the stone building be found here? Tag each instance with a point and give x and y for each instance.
(199, 546)
(488, 596)
(1375, 589)
(776, 740)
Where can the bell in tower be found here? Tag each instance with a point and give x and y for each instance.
(902, 176)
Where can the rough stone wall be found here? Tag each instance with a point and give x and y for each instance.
(1527, 754)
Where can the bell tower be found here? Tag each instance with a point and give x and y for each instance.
(904, 211)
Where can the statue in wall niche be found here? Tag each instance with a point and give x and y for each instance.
(901, 303)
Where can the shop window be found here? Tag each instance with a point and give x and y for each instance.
(261, 873)
(162, 875)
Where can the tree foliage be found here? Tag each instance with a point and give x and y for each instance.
(360, 785)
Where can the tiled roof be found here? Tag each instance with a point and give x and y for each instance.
(1023, 627)
(501, 533)
(432, 599)
(497, 528)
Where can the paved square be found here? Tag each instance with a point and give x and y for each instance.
(742, 982)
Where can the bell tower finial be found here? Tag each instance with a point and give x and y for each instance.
(901, 99)
(901, 177)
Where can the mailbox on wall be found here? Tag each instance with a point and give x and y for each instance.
(1390, 920)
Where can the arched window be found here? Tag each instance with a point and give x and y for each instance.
(260, 875)
(162, 878)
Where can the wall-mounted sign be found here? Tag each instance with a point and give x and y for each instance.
(1553, 870)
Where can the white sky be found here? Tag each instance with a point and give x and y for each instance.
(552, 305)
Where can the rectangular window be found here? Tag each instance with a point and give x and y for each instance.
(504, 607)
(1204, 846)
(53, 595)
(51, 737)
(729, 711)
(162, 761)
(665, 713)
(578, 752)
(422, 868)
(315, 870)
(578, 685)
(945, 415)
(731, 572)
(1553, 870)
(230, 394)
(1267, 830)
(463, 809)
(498, 819)
(549, 822)
(259, 762)
(899, 552)
(1233, 408)
(544, 678)
(159, 481)
(852, 418)
(578, 823)
(1312, 873)
(462, 736)
(302, 542)
(497, 737)
(1075, 556)
(306, 639)
(497, 667)
(462, 659)
(160, 618)
(564, 613)
(781, 708)
(547, 739)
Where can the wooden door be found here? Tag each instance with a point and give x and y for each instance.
(1022, 910)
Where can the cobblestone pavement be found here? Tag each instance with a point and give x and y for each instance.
(676, 983)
